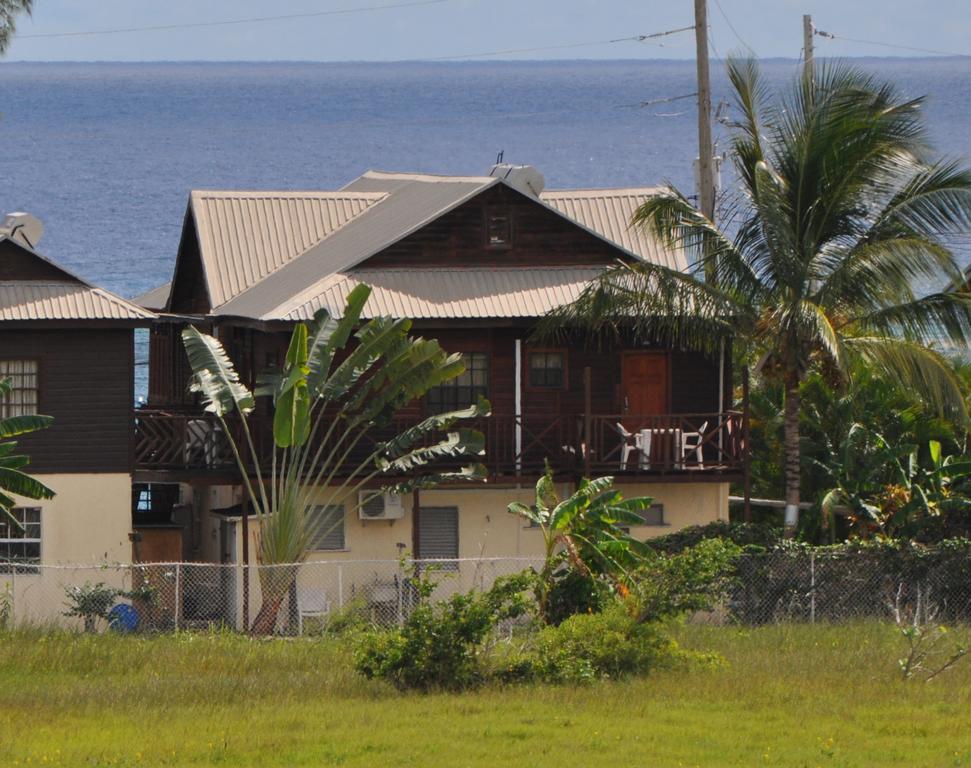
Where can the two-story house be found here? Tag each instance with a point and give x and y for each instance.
(475, 262)
(68, 348)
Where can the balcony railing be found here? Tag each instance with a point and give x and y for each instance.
(617, 444)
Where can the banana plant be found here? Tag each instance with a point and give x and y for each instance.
(342, 380)
(584, 531)
(13, 480)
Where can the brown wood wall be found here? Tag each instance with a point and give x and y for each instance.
(540, 238)
(86, 384)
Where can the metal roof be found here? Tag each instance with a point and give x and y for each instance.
(411, 201)
(27, 300)
(244, 236)
(608, 213)
(155, 299)
(512, 292)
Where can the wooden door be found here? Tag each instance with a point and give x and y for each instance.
(644, 385)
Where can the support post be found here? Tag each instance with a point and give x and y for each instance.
(746, 461)
(706, 179)
(807, 45)
(415, 525)
(245, 506)
(519, 406)
(177, 608)
(585, 444)
(812, 587)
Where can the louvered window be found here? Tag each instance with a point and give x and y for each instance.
(438, 534)
(326, 527)
(21, 400)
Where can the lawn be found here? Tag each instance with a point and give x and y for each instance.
(793, 696)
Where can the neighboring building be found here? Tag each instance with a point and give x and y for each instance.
(68, 348)
(474, 261)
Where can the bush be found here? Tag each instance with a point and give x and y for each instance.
(572, 593)
(439, 646)
(611, 644)
(750, 536)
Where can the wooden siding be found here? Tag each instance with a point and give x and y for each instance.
(189, 294)
(18, 264)
(540, 237)
(86, 384)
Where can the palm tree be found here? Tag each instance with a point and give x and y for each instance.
(9, 11)
(840, 212)
(13, 481)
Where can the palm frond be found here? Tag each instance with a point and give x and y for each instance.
(918, 368)
(214, 376)
(22, 425)
(939, 318)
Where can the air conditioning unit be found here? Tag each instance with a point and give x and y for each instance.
(374, 505)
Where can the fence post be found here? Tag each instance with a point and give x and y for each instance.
(178, 594)
(13, 595)
(812, 587)
(340, 586)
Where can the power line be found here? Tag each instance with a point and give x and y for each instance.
(832, 36)
(633, 39)
(228, 22)
(731, 26)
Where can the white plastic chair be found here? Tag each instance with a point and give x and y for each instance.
(632, 443)
(693, 441)
(311, 603)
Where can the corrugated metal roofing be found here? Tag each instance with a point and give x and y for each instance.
(245, 236)
(155, 299)
(412, 201)
(22, 300)
(447, 293)
(608, 212)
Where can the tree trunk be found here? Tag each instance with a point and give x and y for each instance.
(275, 583)
(793, 470)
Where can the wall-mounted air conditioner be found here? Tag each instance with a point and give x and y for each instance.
(374, 505)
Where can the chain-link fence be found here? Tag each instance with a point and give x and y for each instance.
(285, 599)
(781, 586)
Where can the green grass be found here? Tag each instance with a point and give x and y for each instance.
(793, 696)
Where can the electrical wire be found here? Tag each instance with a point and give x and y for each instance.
(647, 39)
(731, 26)
(228, 22)
(936, 51)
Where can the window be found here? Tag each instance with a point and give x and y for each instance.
(547, 370)
(465, 389)
(326, 527)
(22, 398)
(498, 230)
(438, 534)
(20, 545)
(653, 515)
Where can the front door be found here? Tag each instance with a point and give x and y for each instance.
(644, 385)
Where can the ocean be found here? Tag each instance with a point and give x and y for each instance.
(105, 154)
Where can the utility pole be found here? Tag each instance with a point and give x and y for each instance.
(706, 179)
(807, 45)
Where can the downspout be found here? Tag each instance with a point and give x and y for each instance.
(518, 419)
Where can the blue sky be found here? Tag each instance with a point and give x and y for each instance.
(455, 27)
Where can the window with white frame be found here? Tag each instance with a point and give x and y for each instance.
(21, 400)
(326, 523)
(20, 544)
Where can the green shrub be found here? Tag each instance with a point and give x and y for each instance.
(751, 536)
(611, 644)
(353, 618)
(439, 646)
(573, 592)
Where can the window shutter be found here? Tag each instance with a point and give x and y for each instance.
(438, 532)
(327, 526)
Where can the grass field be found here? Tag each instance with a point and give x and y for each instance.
(793, 696)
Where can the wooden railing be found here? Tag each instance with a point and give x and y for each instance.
(515, 445)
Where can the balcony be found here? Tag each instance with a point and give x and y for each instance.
(702, 445)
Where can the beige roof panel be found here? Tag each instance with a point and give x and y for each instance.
(245, 236)
(412, 200)
(520, 292)
(22, 300)
(608, 212)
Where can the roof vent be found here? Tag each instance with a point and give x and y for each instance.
(22, 227)
(524, 178)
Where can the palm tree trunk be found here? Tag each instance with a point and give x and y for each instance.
(793, 470)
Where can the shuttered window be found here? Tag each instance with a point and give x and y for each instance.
(22, 398)
(326, 527)
(438, 534)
